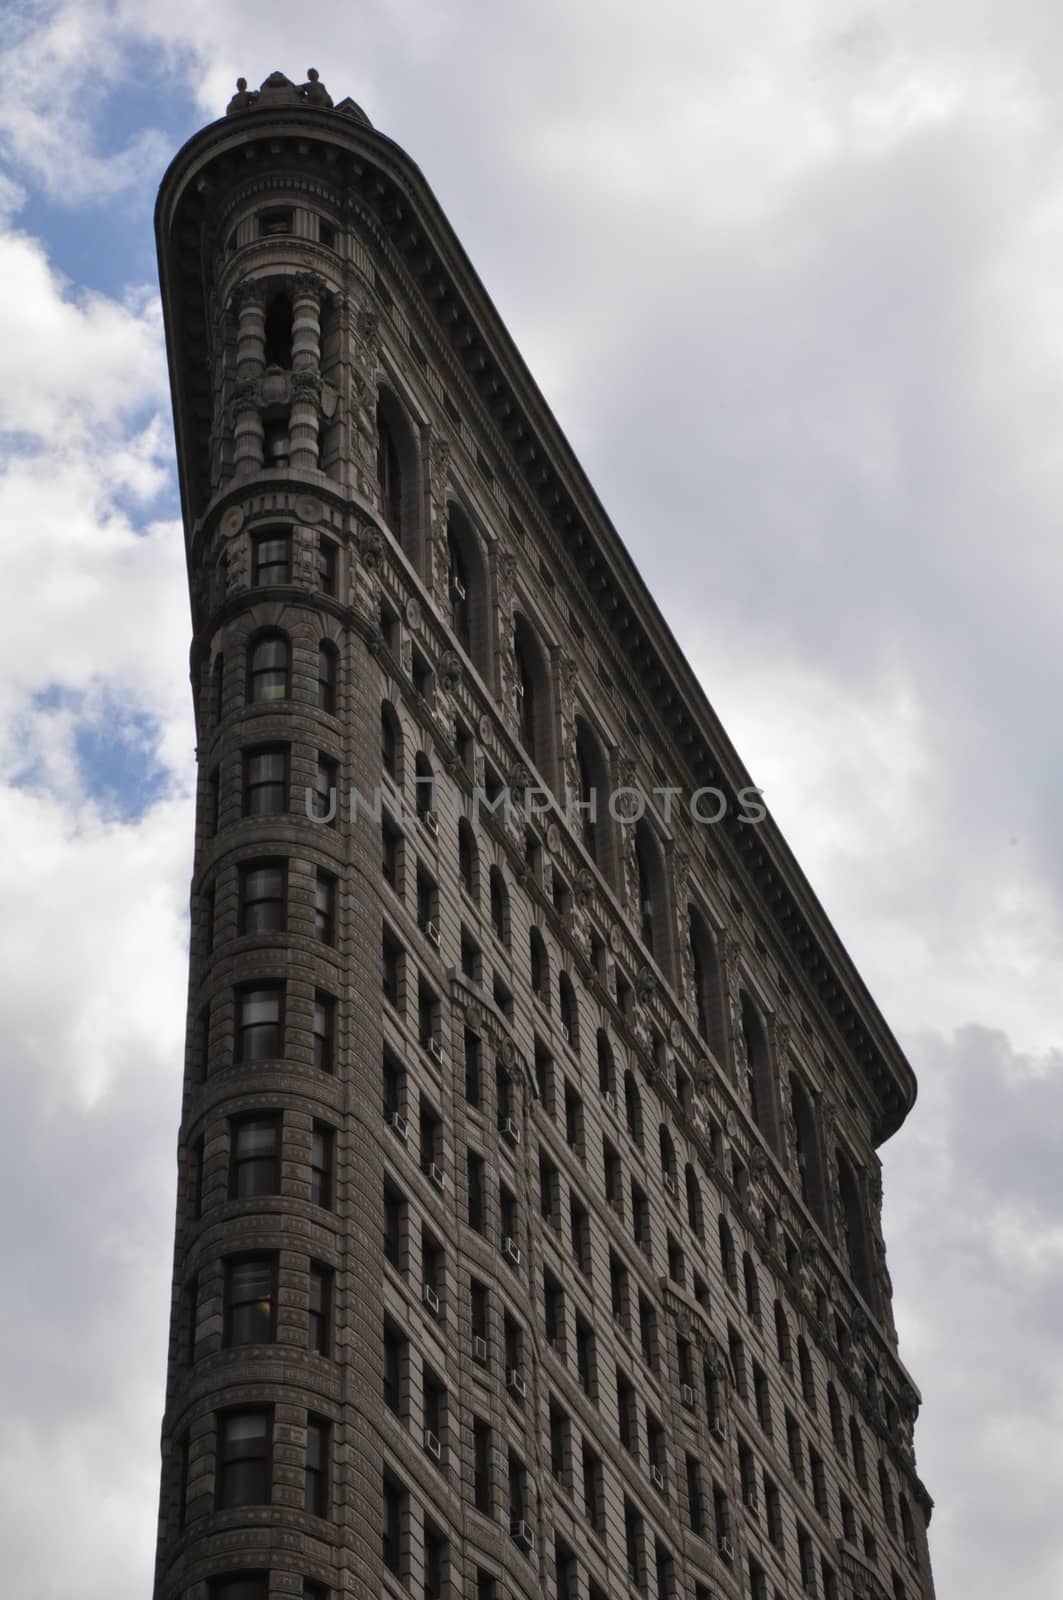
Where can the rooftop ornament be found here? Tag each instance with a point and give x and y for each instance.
(278, 90)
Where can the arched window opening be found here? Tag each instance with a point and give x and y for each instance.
(728, 1259)
(592, 817)
(499, 906)
(569, 1011)
(632, 1109)
(782, 1337)
(390, 741)
(267, 668)
(752, 1288)
(808, 1381)
(855, 1240)
(534, 696)
(397, 471)
(539, 966)
(606, 1064)
(425, 785)
(279, 331)
(467, 857)
(458, 591)
(695, 1210)
(837, 1430)
(654, 910)
(326, 676)
(467, 589)
(758, 1069)
(707, 987)
(807, 1140)
(668, 1166)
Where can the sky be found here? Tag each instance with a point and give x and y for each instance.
(791, 277)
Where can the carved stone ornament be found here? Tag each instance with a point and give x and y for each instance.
(675, 1033)
(553, 838)
(616, 939)
(583, 886)
(307, 509)
(758, 1165)
(372, 547)
(645, 984)
(508, 1058)
(413, 612)
(450, 670)
(484, 726)
(474, 1016)
(731, 1124)
(809, 1247)
(519, 779)
(231, 522)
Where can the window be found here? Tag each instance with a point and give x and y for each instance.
(808, 1382)
(695, 1498)
(477, 1211)
(326, 805)
(396, 1514)
(574, 1121)
(254, 1161)
(836, 1428)
(324, 1031)
(318, 1341)
(593, 1489)
(648, 1332)
(640, 1218)
(818, 1474)
(854, 1241)
(321, 1164)
(390, 741)
(315, 1493)
(435, 1560)
(808, 1162)
(668, 1166)
(244, 1586)
(553, 1311)
(274, 222)
(326, 677)
(473, 1069)
(271, 558)
(613, 1176)
(467, 857)
(250, 1299)
(695, 1212)
(773, 1512)
(394, 1225)
(266, 781)
(263, 896)
(325, 907)
(752, 1288)
(652, 893)
(499, 906)
(260, 1024)
(590, 803)
(737, 1352)
(481, 1456)
(580, 1229)
(560, 1443)
(807, 1560)
(391, 963)
(885, 1489)
(606, 1064)
(794, 1450)
(728, 1259)
(568, 1010)
(267, 668)
(626, 1413)
(539, 966)
(782, 1337)
(326, 566)
(196, 1158)
(856, 1440)
(586, 1365)
(758, 1069)
(762, 1398)
(549, 1192)
(243, 1459)
(634, 1546)
(396, 1359)
(632, 1110)
(707, 988)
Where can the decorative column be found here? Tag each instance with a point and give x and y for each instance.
(248, 433)
(249, 303)
(304, 420)
(435, 451)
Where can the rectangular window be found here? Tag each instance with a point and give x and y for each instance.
(394, 1224)
(315, 1495)
(272, 558)
(254, 1161)
(435, 1559)
(326, 566)
(695, 1497)
(250, 1299)
(324, 1031)
(259, 1024)
(265, 785)
(391, 957)
(243, 1459)
(271, 223)
(580, 1224)
(263, 896)
(320, 1317)
(326, 790)
(322, 1160)
(593, 1489)
(574, 1121)
(586, 1366)
(473, 1070)
(396, 1514)
(474, 1166)
(481, 1449)
(325, 907)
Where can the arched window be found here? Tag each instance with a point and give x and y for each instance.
(593, 818)
(808, 1381)
(279, 331)
(728, 1259)
(267, 668)
(397, 471)
(499, 906)
(632, 1109)
(855, 1241)
(606, 1064)
(758, 1068)
(885, 1491)
(668, 1167)
(782, 1337)
(707, 988)
(569, 1011)
(467, 857)
(425, 786)
(808, 1164)
(326, 676)
(534, 697)
(695, 1211)
(390, 741)
(856, 1439)
(654, 910)
(752, 1288)
(539, 965)
(467, 589)
(837, 1430)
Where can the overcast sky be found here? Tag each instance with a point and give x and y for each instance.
(791, 276)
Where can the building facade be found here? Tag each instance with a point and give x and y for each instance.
(528, 1233)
